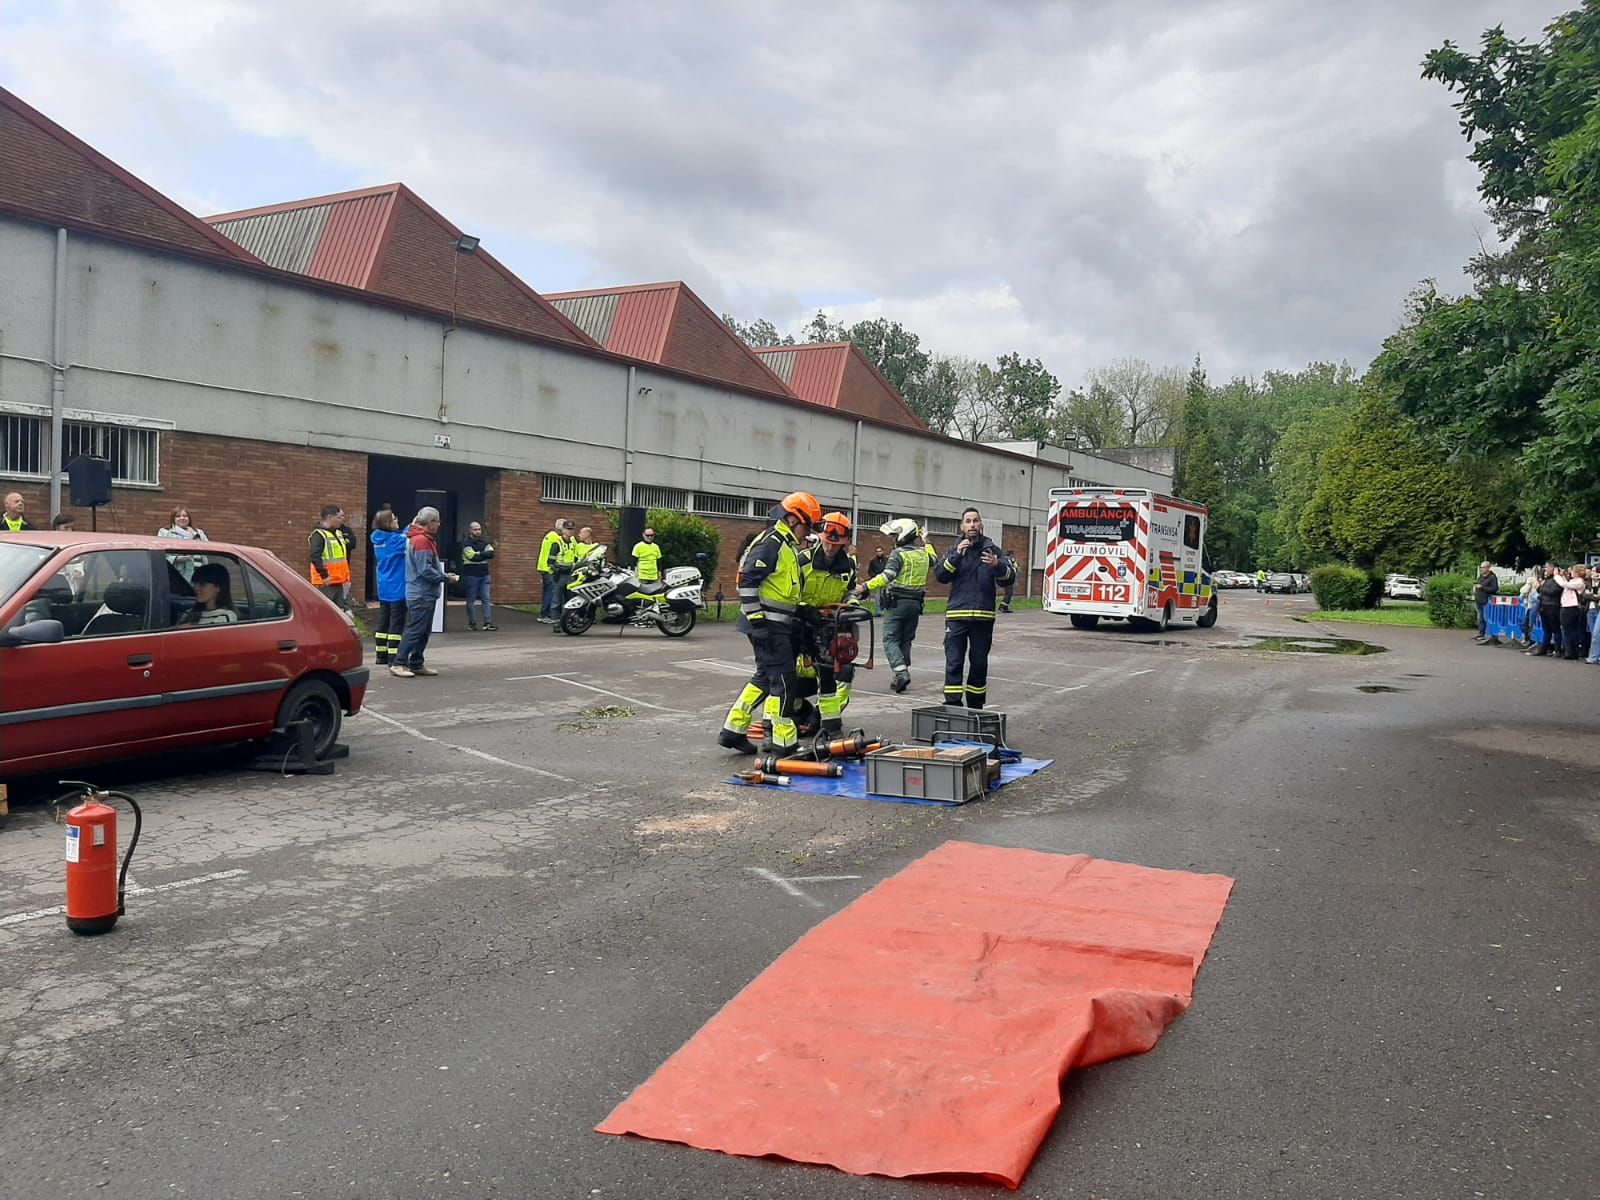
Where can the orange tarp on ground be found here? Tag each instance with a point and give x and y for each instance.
(926, 1028)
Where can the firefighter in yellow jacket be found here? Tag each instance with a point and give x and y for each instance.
(769, 597)
(827, 575)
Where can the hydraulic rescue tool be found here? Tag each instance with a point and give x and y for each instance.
(96, 890)
(799, 766)
(758, 777)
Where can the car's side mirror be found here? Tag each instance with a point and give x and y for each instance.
(34, 633)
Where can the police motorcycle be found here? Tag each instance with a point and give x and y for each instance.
(605, 592)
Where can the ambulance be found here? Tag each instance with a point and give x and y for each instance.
(1127, 554)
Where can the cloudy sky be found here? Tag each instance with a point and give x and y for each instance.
(1258, 181)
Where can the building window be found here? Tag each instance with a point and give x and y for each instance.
(872, 518)
(134, 452)
(943, 526)
(759, 508)
(649, 496)
(722, 506)
(569, 489)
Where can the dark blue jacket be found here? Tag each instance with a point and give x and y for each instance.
(389, 551)
(972, 583)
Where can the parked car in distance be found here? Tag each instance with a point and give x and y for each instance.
(1232, 579)
(1302, 582)
(1403, 587)
(1280, 581)
(113, 646)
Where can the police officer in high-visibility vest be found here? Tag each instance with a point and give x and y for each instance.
(330, 555)
(554, 569)
(974, 567)
(827, 575)
(904, 583)
(769, 595)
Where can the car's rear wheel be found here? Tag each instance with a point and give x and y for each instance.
(1083, 621)
(314, 701)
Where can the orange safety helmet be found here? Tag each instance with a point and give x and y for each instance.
(836, 529)
(803, 505)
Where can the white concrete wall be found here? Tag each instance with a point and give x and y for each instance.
(230, 353)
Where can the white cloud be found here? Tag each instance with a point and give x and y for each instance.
(1259, 181)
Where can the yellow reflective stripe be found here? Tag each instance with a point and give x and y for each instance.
(971, 614)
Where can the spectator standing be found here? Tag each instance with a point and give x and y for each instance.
(647, 558)
(1574, 606)
(181, 527)
(1549, 613)
(552, 570)
(1530, 606)
(15, 517)
(1594, 615)
(330, 554)
(389, 553)
(582, 544)
(424, 578)
(1484, 589)
(973, 568)
(476, 552)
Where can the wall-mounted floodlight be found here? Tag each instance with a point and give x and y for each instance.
(467, 244)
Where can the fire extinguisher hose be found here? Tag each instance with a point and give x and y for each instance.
(122, 875)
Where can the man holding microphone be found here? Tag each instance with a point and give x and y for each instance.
(973, 568)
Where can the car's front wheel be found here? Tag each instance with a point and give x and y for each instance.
(314, 701)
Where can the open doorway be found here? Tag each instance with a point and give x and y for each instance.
(461, 493)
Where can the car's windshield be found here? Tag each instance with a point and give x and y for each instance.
(17, 565)
(1095, 525)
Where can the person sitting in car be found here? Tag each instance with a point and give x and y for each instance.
(213, 595)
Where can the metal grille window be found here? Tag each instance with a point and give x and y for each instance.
(722, 506)
(650, 496)
(871, 518)
(760, 507)
(134, 453)
(943, 526)
(22, 441)
(570, 489)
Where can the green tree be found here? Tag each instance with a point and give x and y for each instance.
(939, 395)
(1384, 500)
(683, 538)
(1505, 380)
(1025, 395)
(760, 332)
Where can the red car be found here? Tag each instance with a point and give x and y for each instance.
(114, 646)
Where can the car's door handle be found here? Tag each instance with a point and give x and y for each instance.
(141, 660)
(288, 644)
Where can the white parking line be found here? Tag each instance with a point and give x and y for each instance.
(788, 885)
(40, 913)
(1049, 687)
(562, 678)
(368, 710)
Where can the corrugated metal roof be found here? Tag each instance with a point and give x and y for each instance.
(818, 372)
(779, 362)
(351, 241)
(813, 372)
(285, 240)
(643, 319)
(592, 314)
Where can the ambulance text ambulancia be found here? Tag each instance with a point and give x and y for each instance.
(1127, 554)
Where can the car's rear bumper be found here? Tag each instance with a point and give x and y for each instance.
(356, 681)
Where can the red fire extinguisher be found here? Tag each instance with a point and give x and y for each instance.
(94, 885)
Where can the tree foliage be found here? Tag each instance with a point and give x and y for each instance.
(683, 538)
(1504, 380)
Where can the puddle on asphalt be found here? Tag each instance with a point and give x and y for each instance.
(1304, 645)
(1369, 688)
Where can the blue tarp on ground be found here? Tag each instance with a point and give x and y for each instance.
(853, 784)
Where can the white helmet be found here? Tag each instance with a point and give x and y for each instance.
(901, 529)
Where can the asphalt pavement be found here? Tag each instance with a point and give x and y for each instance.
(434, 972)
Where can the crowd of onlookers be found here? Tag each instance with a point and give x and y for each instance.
(1558, 609)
